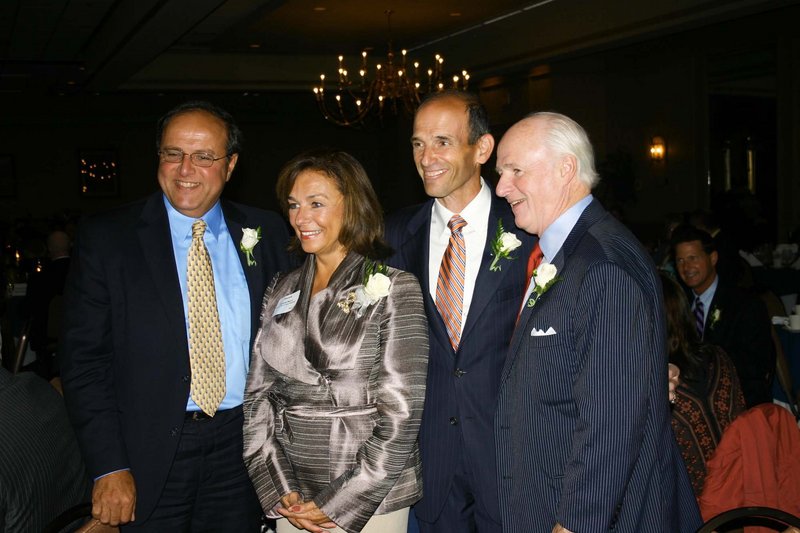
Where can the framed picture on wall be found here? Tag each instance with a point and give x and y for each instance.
(99, 172)
(8, 179)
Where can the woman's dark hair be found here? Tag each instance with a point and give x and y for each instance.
(362, 227)
(685, 349)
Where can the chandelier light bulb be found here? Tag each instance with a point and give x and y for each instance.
(391, 82)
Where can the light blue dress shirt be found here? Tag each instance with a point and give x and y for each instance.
(706, 298)
(555, 235)
(233, 297)
(552, 239)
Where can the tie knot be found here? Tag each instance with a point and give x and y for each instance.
(198, 229)
(537, 253)
(456, 223)
(698, 303)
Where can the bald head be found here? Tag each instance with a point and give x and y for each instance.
(546, 165)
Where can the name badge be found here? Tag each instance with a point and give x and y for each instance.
(286, 303)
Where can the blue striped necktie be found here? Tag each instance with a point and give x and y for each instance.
(450, 286)
(699, 317)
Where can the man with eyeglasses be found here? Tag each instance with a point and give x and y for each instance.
(153, 360)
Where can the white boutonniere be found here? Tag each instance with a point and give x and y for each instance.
(250, 238)
(544, 277)
(374, 286)
(715, 316)
(503, 244)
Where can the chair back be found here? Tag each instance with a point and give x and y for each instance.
(79, 516)
(761, 516)
(22, 347)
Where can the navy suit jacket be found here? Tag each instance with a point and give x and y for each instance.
(125, 356)
(583, 424)
(462, 386)
(743, 330)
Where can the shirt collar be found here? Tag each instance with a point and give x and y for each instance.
(708, 294)
(474, 213)
(181, 226)
(553, 238)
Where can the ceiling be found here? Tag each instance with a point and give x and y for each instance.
(102, 46)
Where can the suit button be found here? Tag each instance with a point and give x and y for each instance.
(453, 421)
(173, 432)
(185, 379)
(458, 372)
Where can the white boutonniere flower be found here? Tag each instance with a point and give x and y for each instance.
(544, 277)
(715, 316)
(503, 244)
(375, 285)
(250, 238)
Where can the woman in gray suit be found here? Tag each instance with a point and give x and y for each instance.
(337, 379)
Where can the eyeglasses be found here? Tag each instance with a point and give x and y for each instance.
(200, 159)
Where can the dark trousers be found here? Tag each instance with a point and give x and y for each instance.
(207, 488)
(461, 512)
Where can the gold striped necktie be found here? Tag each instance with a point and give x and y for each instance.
(206, 353)
(450, 286)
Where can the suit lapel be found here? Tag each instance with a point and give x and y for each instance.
(416, 253)
(593, 212)
(237, 220)
(487, 282)
(156, 245)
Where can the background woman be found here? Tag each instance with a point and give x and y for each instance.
(709, 396)
(337, 380)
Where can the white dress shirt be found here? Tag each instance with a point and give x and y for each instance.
(476, 214)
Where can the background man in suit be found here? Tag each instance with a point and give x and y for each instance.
(41, 471)
(582, 429)
(725, 315)
(450, 142)
(132, 393)
(43, 288)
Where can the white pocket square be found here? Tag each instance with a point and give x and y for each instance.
(541, 333)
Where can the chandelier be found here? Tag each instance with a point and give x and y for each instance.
(350, 100)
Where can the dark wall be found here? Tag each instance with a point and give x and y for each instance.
(623, 94)
(45, 136)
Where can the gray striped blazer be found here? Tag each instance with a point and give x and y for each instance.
(333, 400)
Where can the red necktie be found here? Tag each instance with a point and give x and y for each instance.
(534, 260)
(450, 286)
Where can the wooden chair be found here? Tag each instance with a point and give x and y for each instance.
(71, 516)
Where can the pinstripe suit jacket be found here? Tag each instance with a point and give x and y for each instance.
(333, 400)
(583, 425)
(462, 386)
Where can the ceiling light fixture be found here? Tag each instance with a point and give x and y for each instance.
(351, 100)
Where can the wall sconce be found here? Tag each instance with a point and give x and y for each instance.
(658, 149)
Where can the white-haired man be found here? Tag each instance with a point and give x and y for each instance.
(582, 427)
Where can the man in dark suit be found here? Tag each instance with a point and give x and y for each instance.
(582, 428)
(450, 142)
(132, 360)
(725, 315)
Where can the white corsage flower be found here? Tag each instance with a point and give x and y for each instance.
(715, 316)
(250, 238)
(503, 244)
(376, 285)
(544, 277)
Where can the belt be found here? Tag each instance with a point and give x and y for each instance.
(194, 416)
